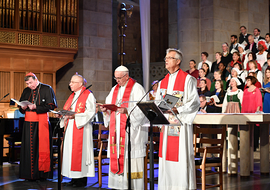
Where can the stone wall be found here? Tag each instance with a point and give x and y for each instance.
(94, 58)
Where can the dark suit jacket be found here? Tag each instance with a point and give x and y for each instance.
(243, 38)
(254, 48)
(236, 47)
(100, 117)
(261, 38)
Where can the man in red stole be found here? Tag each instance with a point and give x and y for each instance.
(35, 158)
(78, 156)
(125, 95)
(176, 156)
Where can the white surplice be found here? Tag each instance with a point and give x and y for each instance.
(138, 135)
(180, 175)
(81, 120)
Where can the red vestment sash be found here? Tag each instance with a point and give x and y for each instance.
(172, 152)
(117, 165)
(44, 139)
(77, 139)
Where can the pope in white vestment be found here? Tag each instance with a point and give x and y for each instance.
(78, 156)
(176, 156)
(139, 134)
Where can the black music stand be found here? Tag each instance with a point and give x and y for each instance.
(155, 116)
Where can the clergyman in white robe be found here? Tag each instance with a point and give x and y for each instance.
(81, 120)
(179, 175)
(139, 137)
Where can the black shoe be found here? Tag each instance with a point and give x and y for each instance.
(79, 184)
(71, 183)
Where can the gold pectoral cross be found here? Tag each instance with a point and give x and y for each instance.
(121, 144)
(113, 144)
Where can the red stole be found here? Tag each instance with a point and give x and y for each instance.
(77, 140)
(172, 152)
(117, 165)
(43, 136)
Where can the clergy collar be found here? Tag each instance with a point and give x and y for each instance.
(174, 72)
(78, 92)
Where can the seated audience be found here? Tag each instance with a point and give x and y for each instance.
(254, 68)
(234, 74)
(203, 88)
(249, 57)
(226, 55)
(251, 94)
(202, 74)
(262, 54)
(225, 73)
(217, 76)
(266, 64)
(235, 59)
(257, 84)
(152, 93)
(267, 39)
(242, 73)
(204, 56)
(243, 37)
(251, 45)
(208, 74)
(234, 44)
(242, 52)
(192, 69)
(266, 91)
(233, 98)
(216, 63)
(204, 105)
(220, 92)
(256, 34)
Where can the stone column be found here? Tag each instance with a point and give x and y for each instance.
(94, 58)
(232, 150)
(264, 148)
(245, 150)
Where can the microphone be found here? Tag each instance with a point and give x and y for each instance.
(4, 96)
(88, 86)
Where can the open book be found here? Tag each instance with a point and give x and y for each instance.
(214, 97)
(267, 88)
(63, 112)
(111, 107)
(22, 103)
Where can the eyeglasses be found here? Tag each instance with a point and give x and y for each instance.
(72, 82)
(169, 58)
(119, 78)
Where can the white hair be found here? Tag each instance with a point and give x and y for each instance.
(179, 54)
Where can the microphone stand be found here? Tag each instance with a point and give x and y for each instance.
(59, 140)
(4, 96)
(129, 142)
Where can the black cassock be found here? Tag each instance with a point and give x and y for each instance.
(44, 98)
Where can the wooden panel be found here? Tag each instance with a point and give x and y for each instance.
(4, 85)
(5, 62)
(48, 79)
(19, 84)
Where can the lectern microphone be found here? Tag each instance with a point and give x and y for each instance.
(4, 96)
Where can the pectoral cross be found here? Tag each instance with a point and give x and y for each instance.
(113, 144)
(121, 145)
